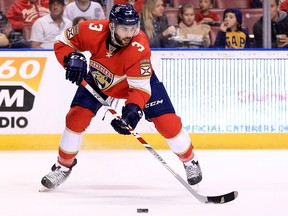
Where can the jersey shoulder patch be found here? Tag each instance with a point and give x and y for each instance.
(145, 67)
(72, 31)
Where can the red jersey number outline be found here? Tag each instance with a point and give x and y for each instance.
(99, 27)
(140, 46)
(94, 27)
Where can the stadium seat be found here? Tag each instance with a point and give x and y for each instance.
(219, 12)
(250, 17)
(2, 6)
(27, 32)
(213, 34)
(232, 4)
(177, 3)
(5, 5)
(172, 15)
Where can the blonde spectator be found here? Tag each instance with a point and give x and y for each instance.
(154, 23)
(45, 29)
(26, 12)
(189, 33)
(85, 8)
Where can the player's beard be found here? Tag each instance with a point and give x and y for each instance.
(125, 41)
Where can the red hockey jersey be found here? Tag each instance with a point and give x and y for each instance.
(123, 73)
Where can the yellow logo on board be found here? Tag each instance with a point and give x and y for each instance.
(22, 69)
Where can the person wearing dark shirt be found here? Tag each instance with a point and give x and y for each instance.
(11, 38)
(231, 33)
(279, 26)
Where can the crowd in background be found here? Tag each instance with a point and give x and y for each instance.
(36, 23)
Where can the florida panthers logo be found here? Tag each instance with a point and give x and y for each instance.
(102, 76)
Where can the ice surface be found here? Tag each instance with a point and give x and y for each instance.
(120, 182)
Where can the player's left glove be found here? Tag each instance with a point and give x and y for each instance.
(76, 67)
(131, 115)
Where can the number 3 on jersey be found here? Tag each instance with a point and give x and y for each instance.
(99, 27)
(140, 46)
(94, 27)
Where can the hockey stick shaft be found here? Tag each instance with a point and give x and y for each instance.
(201, 198)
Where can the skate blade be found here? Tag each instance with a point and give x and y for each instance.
(45, 189)
(195, 187)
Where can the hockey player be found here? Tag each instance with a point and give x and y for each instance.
(120, 67)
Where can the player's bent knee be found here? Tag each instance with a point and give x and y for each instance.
(168, 125)
(78, 119)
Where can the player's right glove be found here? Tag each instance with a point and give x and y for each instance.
(131, 115)
(76, 67)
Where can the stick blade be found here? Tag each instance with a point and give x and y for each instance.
(45, 189)
(223, 198)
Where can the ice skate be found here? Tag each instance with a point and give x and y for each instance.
(193, 171)
(58, 176)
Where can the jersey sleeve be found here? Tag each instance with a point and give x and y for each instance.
(66, 43)
(139, 73)
(78, 38)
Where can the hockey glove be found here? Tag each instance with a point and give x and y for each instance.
(131, 115)
(76, 67)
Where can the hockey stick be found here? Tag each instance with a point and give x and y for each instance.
(204, 199)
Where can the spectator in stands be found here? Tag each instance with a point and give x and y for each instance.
(78, 20)
(256, 4)
(189, 33)
(4, 42)
(86, 8)
(279, 26)
(284, 6)
(138, 4)
(10, 38)
(155, 24)
(26, 12)
(231, 33)
(45, 29)
(205, 15)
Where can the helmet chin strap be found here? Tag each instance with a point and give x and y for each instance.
(113, 38)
